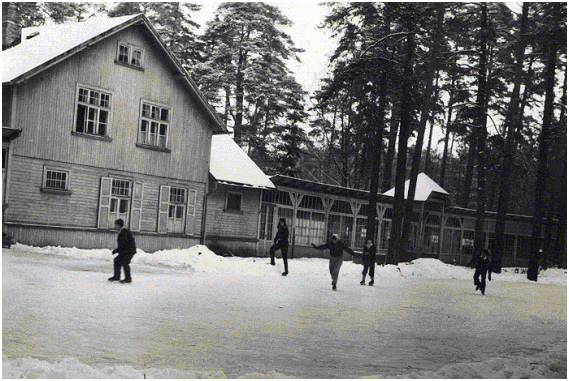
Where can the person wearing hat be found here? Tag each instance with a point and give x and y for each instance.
(482, 267)
(281, 243)
(337, 249)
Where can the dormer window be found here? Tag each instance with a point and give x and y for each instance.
(130, 55)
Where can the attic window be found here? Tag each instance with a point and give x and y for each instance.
(130, 55)
(32, 35)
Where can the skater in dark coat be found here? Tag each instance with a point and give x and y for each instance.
(281, 243)
(337, 249)
(126, 250)
(482, 267)
(369, 262)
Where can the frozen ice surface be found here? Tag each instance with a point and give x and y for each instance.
(193, 314)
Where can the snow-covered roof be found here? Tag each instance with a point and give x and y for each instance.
(230, 164)
(424, 189)
(45, 46)
(54, 41)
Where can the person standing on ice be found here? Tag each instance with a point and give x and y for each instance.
(126, 249)
(482, 267)
(337, 249)
(369, 262)
(281, 243)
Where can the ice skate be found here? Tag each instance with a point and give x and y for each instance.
(126, 281)
(370, 282)
(285, 273)
(114, 279)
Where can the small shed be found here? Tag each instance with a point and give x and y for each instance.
(233, 199)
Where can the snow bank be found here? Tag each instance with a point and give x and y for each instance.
(72, 368)
(199, 258)
(552, 364)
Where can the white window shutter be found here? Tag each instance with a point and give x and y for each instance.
(163, 209)
(104, 203)
(136, 208)
(190, 218)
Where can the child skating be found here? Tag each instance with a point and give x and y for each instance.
(482, 267)
(337, 249)
(369, 262)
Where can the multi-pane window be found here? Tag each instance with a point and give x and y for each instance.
(266, 225)
(56, 179)
(277, 197)
(93, 108)
(154, 124)
(310, 227)
(129, 55)
(176, 210)
(120, 199)
(177, 203)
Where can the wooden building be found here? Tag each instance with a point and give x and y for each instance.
(234, 200)
(111, 127)
(315, 211)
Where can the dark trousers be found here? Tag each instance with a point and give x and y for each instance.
(123, 260)
(335, 264)
(284, 253)
(480, 282)
(369, 264)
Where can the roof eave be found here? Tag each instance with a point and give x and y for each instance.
(218, 125)
(73, 51)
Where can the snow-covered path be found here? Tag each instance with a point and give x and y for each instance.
(240, 317)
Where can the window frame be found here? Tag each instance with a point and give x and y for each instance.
(149, 120)
(121, 199)
(178, 204)
(232, 210)
(64, 191)
(130, 55)
(88, 106)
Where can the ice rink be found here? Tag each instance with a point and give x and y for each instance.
(189, 313)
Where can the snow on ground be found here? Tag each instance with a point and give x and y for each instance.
(199, 258)
(310, 315)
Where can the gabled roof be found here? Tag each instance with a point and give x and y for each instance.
(56, 43)
(229, 164)
(426, 189)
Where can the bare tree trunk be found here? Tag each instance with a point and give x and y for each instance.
(425, 111)
(432, 126)
(552, 47)
(480, 135)
(469, 173)
(447, 135)
(390, 154)
(405, 124)
(510, 124)
(371, 227)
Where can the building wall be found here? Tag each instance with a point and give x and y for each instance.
(46, 106)
(43, 236)
(79, 209)
(234, 229)
(231, 224)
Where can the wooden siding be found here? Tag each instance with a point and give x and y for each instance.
(45, 110)
(80, 208)
(243, 224)
(95, 239)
